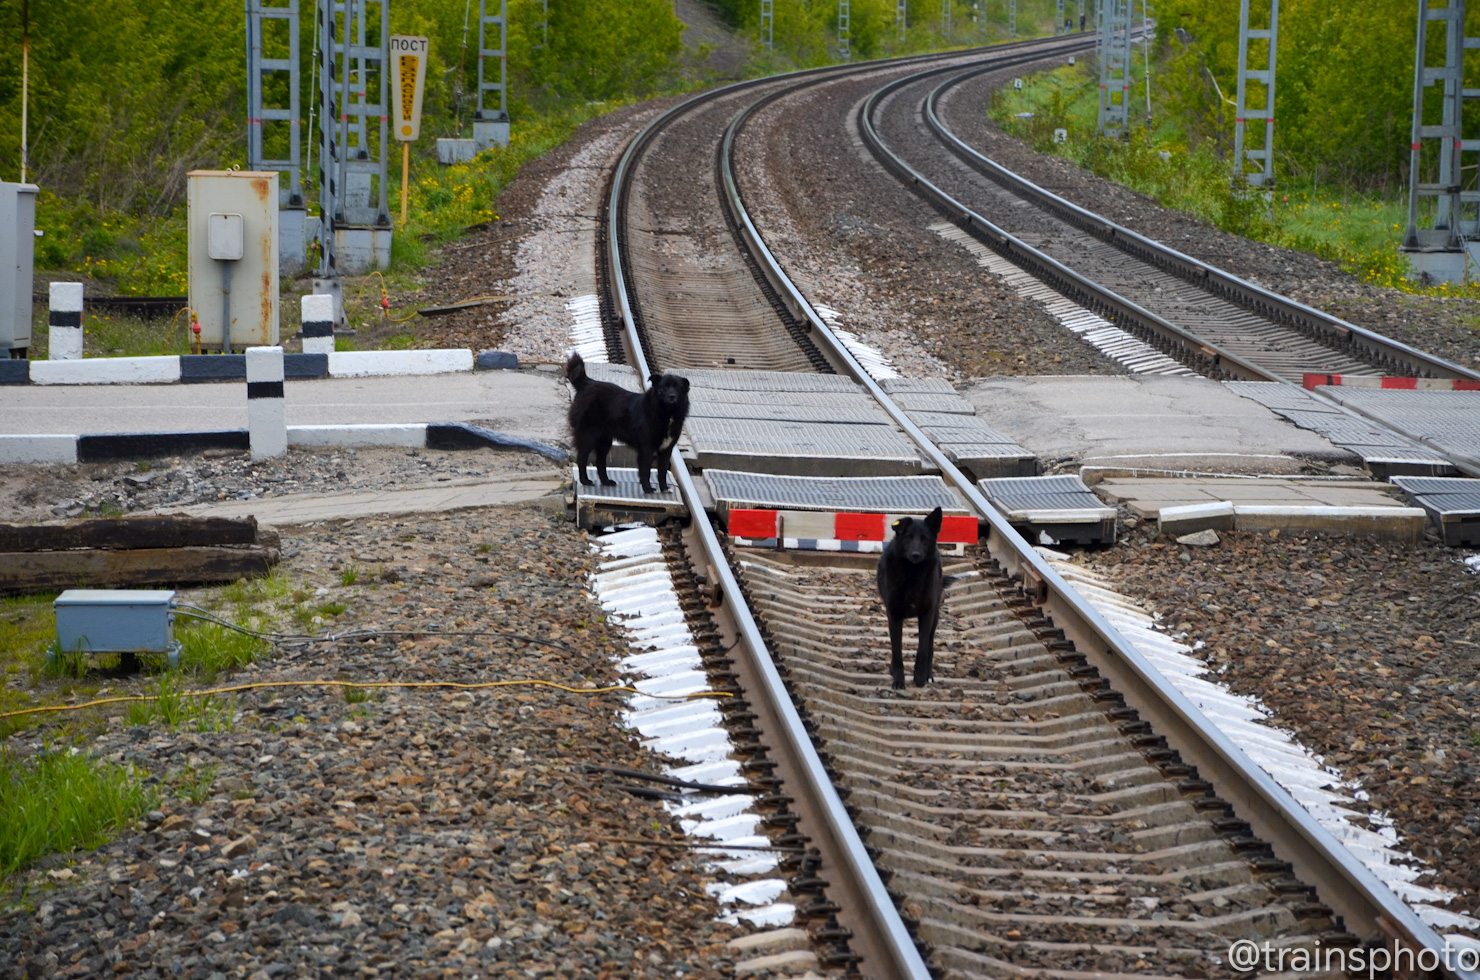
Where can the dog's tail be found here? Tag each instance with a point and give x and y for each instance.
(575, 371)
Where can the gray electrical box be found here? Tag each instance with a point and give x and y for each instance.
(17, 260)
(117, 621)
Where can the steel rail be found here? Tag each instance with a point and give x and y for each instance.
(1369, 907)
(1315, 323)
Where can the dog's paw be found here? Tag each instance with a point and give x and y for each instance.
(608, 482)
(647, 488)
(586, 482)
(897, 682)
(922, 681)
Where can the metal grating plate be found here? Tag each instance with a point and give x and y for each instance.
(933, 386)
(617, 374)
(809, 448)
(927, 402)
(764, 437)
(893, 495)
(1038, 494)
(1274, 394)
(716, 380)
(1453, 503)
(627, 492)
(960, 427)
(785, 408)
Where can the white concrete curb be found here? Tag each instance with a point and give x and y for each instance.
(359, 364)
(107, 371)
(411, 435)
(38, 449)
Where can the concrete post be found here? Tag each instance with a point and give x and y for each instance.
(267, 421)
(318, 323)
(64, 320)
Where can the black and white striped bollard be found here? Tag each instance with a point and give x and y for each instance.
(64, 320)
(318, 323)
(267, 422)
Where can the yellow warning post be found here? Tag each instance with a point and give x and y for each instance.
(408, 79)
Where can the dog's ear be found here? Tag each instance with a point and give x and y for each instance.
(685, 382)
(653, 379)
(932, 521)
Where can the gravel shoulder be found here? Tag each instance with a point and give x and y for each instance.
(405, 831)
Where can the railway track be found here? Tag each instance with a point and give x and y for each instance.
(1051, 805)
(1206, 318)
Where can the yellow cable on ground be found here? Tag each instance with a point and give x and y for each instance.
(361, 685)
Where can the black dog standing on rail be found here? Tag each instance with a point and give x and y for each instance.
(649, 422)
(911, 584)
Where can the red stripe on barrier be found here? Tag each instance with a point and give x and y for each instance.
(958, 529)
(753, 523)
(1405, 384)
(1462, 385)
(1314, 379)
(859, 527)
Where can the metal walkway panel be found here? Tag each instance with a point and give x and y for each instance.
(617, 374)
(1061, 507)
(761, 381)
(598, 505)
(1452, 503)
(1277, 395)
(932, 402)
(990, 459)
(1448, 421)
(786, 407)
(961, 427)
(802, 448)
(930, 386)
(890, 495)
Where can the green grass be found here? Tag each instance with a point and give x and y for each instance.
(60, 801)
(208, 650)
(170, 708)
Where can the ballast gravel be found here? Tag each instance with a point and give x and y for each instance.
(398, 831)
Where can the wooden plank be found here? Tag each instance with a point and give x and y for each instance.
(143, 531)
(46, 571)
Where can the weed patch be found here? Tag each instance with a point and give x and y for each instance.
(63, 800)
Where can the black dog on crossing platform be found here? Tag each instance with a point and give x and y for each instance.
(649, 422)
(911, 584)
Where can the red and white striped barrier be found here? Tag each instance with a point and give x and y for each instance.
(835, 530)
(1315, 379)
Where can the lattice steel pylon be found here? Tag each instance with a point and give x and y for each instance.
(1250, 79)
(902, 16)
(272, 77)
(845, 50)
(353, 131)
(1059, 24)
(1115, 67)
(490, 121)
(768, 25)
(945, 19)
(1441, 145)
(274, 118)
(1012, 18)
